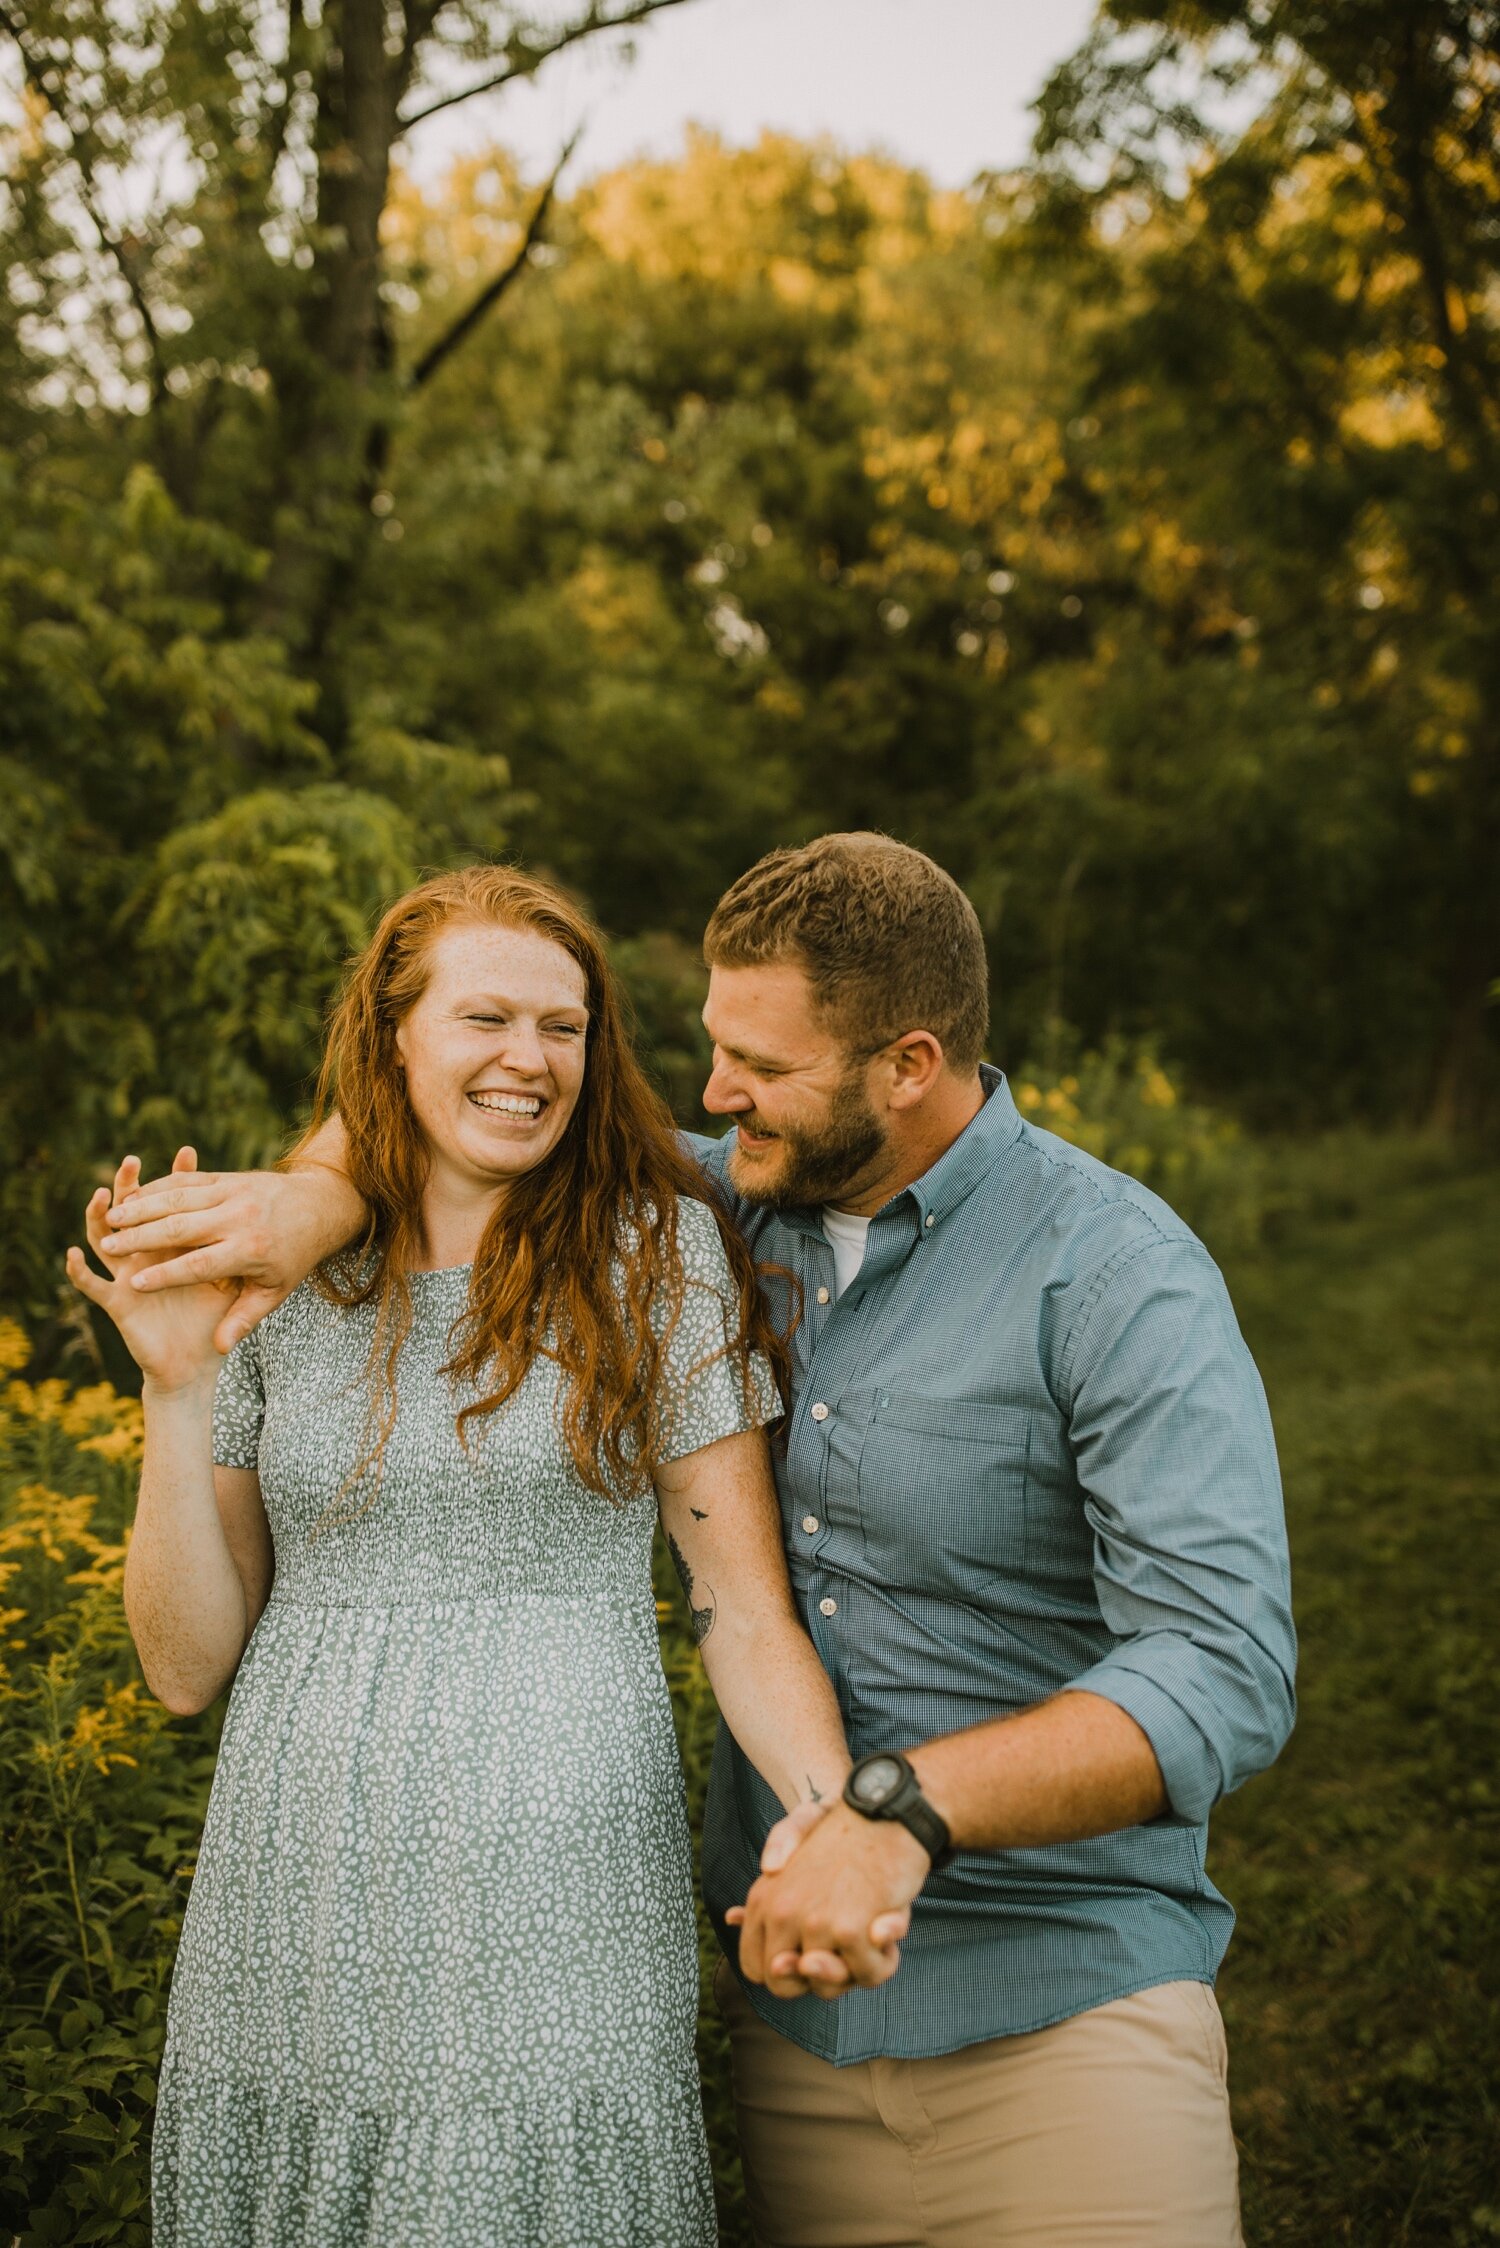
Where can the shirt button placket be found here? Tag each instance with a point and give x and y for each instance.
(819, 1413)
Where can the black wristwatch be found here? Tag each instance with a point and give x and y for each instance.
(884, 1786)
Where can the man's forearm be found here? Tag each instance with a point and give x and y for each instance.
(341, 1211)
(264, 1230)
(1072, 1767)
(327, 1150)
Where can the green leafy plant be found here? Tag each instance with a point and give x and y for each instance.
(1120, 1104)
(103, 1800)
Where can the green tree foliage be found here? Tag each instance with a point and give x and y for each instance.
(1122, 530)
(1291, 212)
(1003, 524)
(248, 918)
(126, 699)
(169, 936)
(204, 802)
(199, 195)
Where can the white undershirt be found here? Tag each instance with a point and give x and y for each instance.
(846, 1234)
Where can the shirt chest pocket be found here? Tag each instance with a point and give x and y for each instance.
(942, 1490)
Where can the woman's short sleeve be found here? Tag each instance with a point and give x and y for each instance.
(239, 1406)
(708, 1393)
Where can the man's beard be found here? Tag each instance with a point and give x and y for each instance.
(819, 1164)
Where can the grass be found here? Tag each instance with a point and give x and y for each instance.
(1360, 1991)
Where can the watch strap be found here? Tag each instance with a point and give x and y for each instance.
(907, 1805)
(917, 1815)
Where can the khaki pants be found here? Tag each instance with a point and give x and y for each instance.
(1107, 2131)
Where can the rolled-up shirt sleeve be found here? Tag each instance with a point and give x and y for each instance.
(1175, 1454)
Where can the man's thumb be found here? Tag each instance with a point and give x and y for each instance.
(248, 1310)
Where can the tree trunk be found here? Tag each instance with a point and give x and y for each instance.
(1464, 1073)
(328, 388)
(335, 381)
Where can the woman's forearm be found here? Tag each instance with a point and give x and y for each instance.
(723, 1530)
(184, 1597)
(778, 1701)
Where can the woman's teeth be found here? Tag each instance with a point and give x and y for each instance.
(508, 1104)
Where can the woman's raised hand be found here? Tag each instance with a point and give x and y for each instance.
(170, 1333)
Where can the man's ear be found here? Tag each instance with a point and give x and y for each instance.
(916, 1064)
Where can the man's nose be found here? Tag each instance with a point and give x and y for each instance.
(723, 1095)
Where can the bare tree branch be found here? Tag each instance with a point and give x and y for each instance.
(417, 20)
(37, 78)
(523, 59)
(490, 295)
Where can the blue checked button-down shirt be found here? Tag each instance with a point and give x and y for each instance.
(1028, 1449)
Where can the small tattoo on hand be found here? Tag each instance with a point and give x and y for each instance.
(816, 1793)
(697, 1515)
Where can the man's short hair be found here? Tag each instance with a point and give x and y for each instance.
(888, 941)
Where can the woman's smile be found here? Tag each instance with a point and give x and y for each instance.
(517, 1107)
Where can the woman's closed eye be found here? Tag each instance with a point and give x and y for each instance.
(550, 1030)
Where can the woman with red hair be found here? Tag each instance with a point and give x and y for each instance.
(437, 1982)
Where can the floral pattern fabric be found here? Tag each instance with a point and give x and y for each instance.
(437, 1981)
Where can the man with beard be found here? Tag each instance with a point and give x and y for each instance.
(1034, 1525)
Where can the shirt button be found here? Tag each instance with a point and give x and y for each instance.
(822, 1295)
(820, 1411)
(828, 1607)
(809, 1523)
(931, 1220)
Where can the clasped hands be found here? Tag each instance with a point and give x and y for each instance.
(832, 1903)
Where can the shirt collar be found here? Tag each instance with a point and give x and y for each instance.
(960, 1168)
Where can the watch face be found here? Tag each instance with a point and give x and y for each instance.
(876, 1782)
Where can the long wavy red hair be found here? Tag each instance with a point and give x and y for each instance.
(580, 1261)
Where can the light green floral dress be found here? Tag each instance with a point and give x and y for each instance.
(437, 1982)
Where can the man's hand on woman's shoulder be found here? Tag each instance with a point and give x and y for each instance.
(265, 1229)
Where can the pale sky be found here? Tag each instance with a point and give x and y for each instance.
(943, 84)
